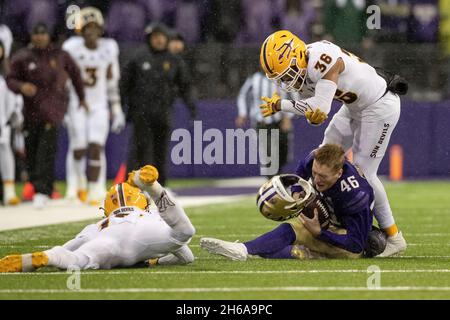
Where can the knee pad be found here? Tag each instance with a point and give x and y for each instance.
(79, 154)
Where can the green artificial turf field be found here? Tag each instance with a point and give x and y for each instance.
(422, 211)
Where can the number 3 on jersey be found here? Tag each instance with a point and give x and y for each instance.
(91, 78)
(325, 58)
(349, 183)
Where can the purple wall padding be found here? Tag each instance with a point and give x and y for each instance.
(423, 131)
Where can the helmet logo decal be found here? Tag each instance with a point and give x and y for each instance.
(287, 48)
(164, 202)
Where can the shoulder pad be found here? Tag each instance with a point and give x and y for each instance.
(322, 56)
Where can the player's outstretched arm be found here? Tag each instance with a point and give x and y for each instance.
(316, 108)
(169, 209)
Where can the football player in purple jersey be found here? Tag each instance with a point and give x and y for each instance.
(334, 180)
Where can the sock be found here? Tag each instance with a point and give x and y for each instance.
(272, 241)
(9, 190)
(392, 230)
(94, 192)
(7, 164)
(71, 175)
(33, 261)
(80, 170)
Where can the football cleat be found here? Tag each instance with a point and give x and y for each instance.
(395, 245)
(232, 250)
(11, 263)
(151, 262)
(14, 201)
(40, 201)
(82, 195)
(23, 262)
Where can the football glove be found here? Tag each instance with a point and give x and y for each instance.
(146, 175)
(316, 117)
(270, 106)
(151, 262)
(118, 123)
(16, 119)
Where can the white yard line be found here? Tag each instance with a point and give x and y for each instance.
(153, 272)
(225, 289)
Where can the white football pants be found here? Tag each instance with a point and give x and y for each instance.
(368, 135)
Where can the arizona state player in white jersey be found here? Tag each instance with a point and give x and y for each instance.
(88, 130)
(130, 233)
(321, 72)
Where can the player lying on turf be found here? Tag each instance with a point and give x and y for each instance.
(292, 199)
(130, 233)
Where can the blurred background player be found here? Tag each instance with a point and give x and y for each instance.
(321, 72)
(248, 102)
(10, 118)
(98, 60)
(39, 72)
(130, 233)
(148, 87)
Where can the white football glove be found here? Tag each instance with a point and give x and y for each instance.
(18, 141)
(118, 122)
(16, 119)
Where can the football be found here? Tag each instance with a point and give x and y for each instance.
(376, 242)
(323, 210)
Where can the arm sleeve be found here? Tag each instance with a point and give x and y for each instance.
(242, 98)
(74, 74)
(322, 99)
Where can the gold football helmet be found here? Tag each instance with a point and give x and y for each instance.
(283, 59)
(276, 199)
(88, 15)
(124, 195)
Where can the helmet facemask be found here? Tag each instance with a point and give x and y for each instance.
(292, 79)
